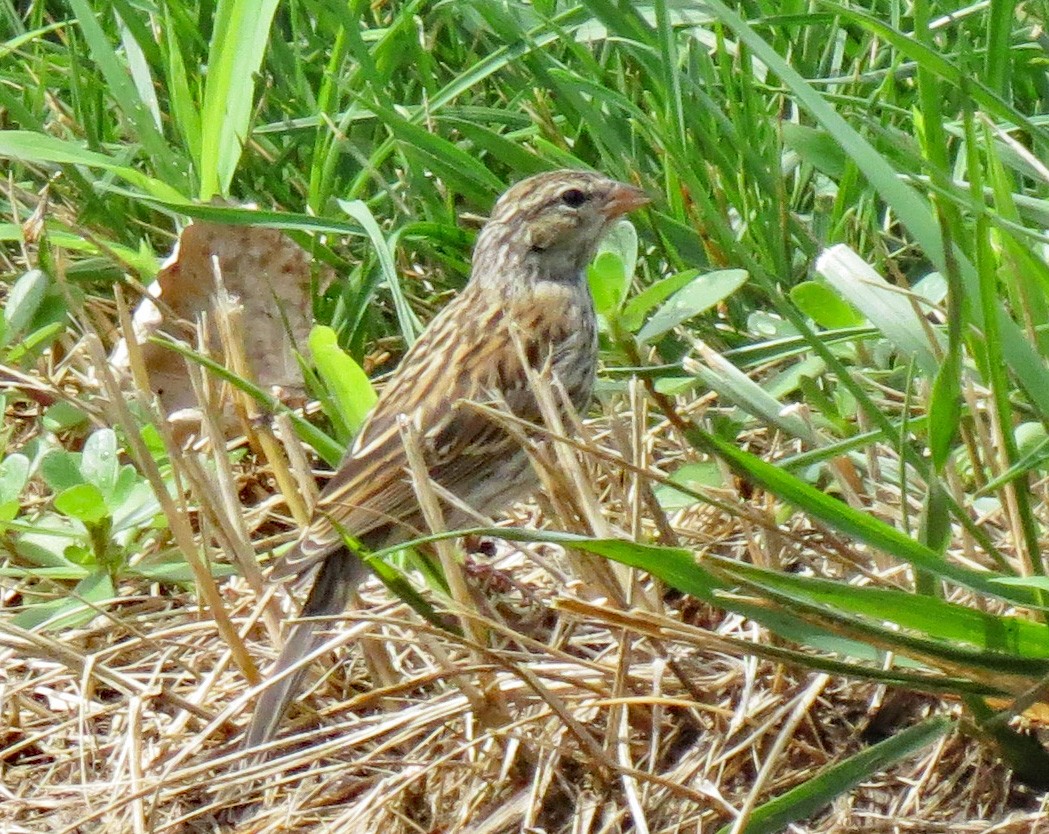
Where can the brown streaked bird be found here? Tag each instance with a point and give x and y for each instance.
(527, 289)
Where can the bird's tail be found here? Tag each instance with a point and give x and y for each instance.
(339, 575)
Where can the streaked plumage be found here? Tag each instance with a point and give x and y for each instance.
(528, 278)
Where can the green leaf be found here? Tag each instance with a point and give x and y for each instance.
(638, 307)
(824, 306)
(675, 565)
(69, 612)
(359, 211)
(34, 343)
(60, 469)
(945, 410)
(1021, 748)
(608, 279)
(847, 520)
(84, 502)
(33, 147)
(1030, 438)
(126, 481)
(697, 297)
(176, 571)
(8, 512)
(98, 462)
(613, 269)
(238, 46)
(1040, 583)
(816, 147)
(943, 627)
(62, 416)
(80, 554)
(344, 379)
(694, 477)
(23, 300)
(720, 375)
(884, 305)
(14, 474)
(45, 543)
(813, 794)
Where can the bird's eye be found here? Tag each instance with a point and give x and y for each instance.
(573, 197)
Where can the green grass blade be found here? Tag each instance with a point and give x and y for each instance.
(359, 211)
(124, 92)
(238, 46)
(36, 148)
(810, 797)
(851, 522)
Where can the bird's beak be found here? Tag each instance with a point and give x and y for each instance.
(624, 198)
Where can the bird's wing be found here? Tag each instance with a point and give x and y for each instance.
(459, 357)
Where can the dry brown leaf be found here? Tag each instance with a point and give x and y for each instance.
(268, 276)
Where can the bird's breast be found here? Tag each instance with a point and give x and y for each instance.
(559, 327)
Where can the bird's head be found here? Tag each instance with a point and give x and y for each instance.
(550, 224)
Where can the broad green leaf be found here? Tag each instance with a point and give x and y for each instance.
(14, 474)
(695, 477)
(84, 502)
(697, 297)
(884, 305)
(60, 469)
(825, 307)
(933, 288)
(638, 307)
(346, 381)
(8, 512)
(69, 612)
(608, 279)
(1030, 438)
(45, 541)
(81, 554)
(616, 274)
(772, 329)
(22, 302)
(98, 462)
(139, 509)
(62, 416)
(123, 486)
